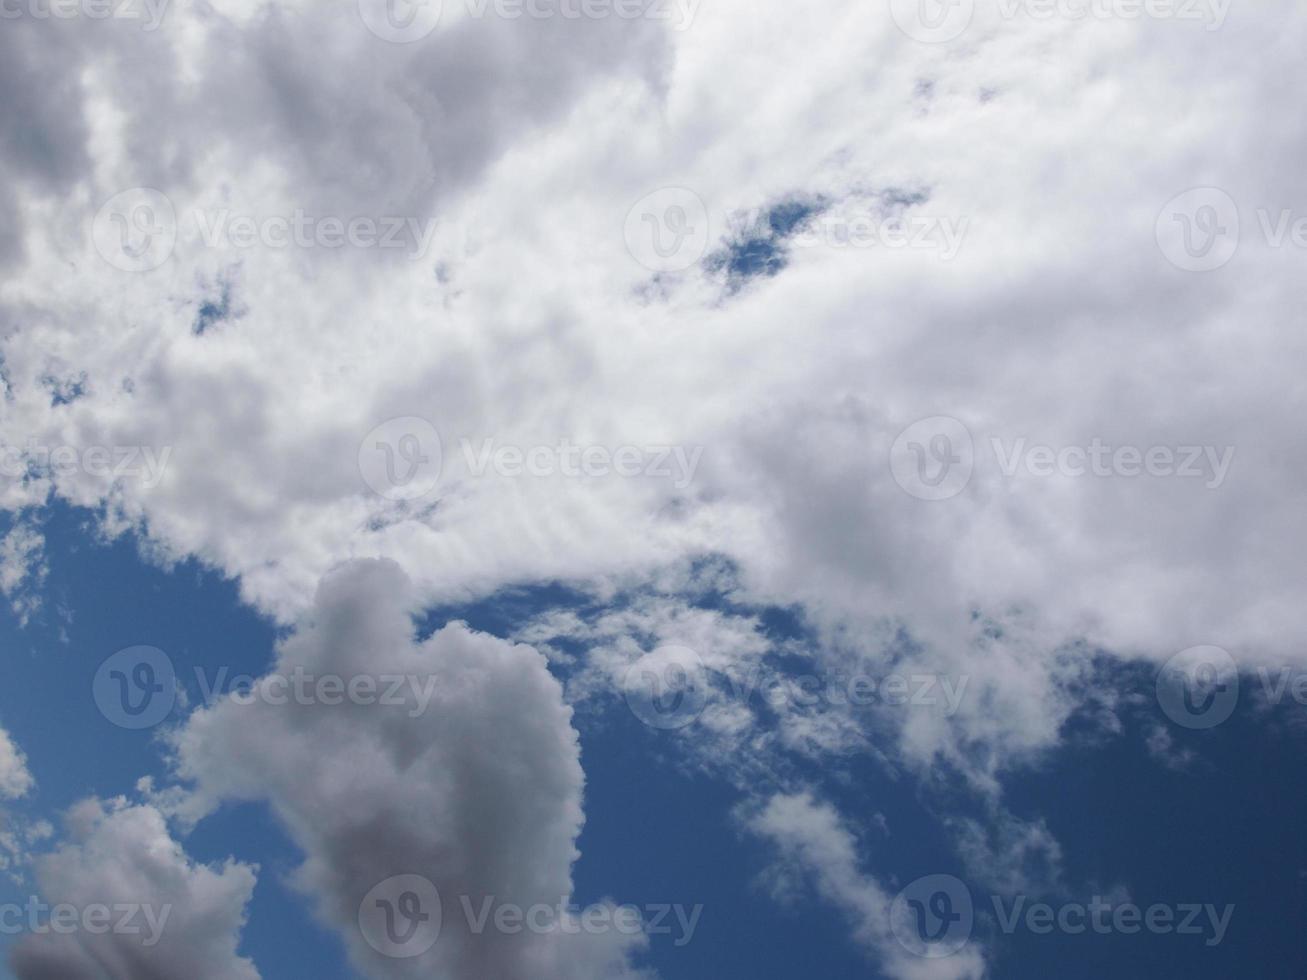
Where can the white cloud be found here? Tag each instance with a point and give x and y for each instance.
(478, 791)
(18, 834)
(811, 837)
(1036, 323)
(15, 778)
(1059, 321)
(1010, 855)
(23, 568)
(168, 916)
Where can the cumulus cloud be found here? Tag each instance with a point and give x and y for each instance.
(521, 317)
(1024, 334)
(167, 915)
(469, 778)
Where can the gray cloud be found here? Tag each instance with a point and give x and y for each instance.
(186, 920)
(1059, 321)
(479, 791)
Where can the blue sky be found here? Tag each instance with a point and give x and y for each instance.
(661, 830)
(651, 489)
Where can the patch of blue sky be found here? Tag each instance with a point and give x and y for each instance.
(1223, 829)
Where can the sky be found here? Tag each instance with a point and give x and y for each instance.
(637, 489)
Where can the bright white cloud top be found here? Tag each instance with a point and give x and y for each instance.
(1015, 386)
